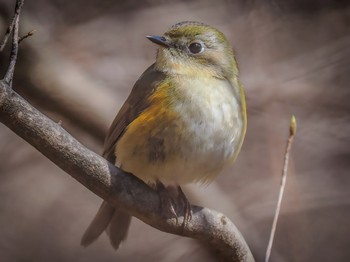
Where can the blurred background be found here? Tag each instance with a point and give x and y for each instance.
(81, 64)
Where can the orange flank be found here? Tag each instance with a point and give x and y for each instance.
(158, 112)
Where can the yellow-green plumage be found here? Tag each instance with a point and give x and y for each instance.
(184, 120)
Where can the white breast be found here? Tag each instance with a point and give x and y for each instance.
(214, 126)
(193, 146)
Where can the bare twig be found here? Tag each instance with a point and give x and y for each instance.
(30, 33)
(13, 56)
(120, 189)
(7, 34)
(292, 131)
(12, 24)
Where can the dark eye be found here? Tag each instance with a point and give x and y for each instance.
(195, 48)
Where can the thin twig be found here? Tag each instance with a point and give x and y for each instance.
(7, 34)
(10, 27)
(30, 33)
(14, 51)
(292, 131)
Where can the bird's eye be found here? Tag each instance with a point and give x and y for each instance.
(195, 48)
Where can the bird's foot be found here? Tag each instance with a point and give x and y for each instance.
(174, 203)
(186, 207)
(166, 201)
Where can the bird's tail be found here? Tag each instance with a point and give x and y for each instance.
(114, 221)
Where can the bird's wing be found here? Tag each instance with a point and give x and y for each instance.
(134, 105)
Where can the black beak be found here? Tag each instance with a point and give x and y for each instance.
(159, 40)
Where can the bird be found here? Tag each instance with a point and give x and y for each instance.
(184, 120)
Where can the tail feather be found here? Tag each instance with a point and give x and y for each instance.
(118, 228)
(114, 221)
(98, 224)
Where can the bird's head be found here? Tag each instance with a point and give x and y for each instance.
(193, 48)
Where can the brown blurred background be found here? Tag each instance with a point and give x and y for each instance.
(82, 62)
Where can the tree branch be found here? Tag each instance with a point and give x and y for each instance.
(107, 181)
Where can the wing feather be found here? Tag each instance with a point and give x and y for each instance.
(134, 105)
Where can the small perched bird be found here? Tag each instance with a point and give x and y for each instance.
(184, 120)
